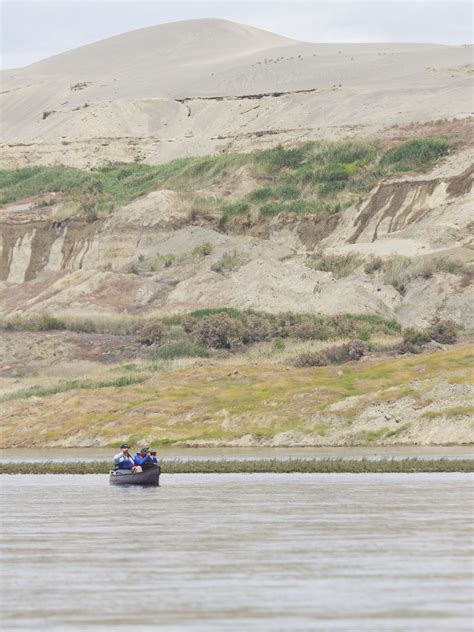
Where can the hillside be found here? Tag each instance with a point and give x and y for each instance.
(333, 227)
(282, 228)
(426, 400)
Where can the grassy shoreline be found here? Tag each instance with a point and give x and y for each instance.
(270, 466)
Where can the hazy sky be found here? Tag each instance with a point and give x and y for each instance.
(37, 29)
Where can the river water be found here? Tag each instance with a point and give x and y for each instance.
(230, 552)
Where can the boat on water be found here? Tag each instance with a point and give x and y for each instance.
(150, 477)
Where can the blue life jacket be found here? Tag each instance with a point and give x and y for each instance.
(144, 461)
(122, 462)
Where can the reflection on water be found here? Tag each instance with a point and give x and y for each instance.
(238, 552)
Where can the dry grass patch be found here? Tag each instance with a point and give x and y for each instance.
(383, 433)
(454, 411)
(217, 403)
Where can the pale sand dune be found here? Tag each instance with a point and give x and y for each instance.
(178, 43)
(133, 86)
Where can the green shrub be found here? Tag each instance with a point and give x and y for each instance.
(248, 327)
(385, 347)
(399, 271)
(375, 324)
(230, 210)
(232, 312)
(352, 351)
(218, 332)
(374, 264)
(278, 158)
(151, 332)
(45, 322)
(16, 184)
(86, 325)
(443, 331)
(449, 266)
(272, 208)
(356, 349)
(287, 191)
(40, 322)
(256, 328)
(311, 330)
(278, 344)
(331, 188)
(339, 265)
(336, 354)
(366, 179)
(415, 154)
(413, 340)
(181, 349)
(260, 194)
(12, 177)
(305, 330)
(309, 207)
(309, 359)
(301, 176)
(344, 325)
(203, 250)
(159, 261)
(346, 152)
(228, 262)
(333, 173)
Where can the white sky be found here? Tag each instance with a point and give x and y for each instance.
(37, 29)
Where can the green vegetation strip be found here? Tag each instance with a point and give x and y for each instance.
(318, 178)
(270, 466)
(63, 387)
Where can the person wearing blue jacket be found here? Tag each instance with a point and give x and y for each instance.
(144, 459)
(123, 461)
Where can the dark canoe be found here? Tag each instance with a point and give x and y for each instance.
(149, 477)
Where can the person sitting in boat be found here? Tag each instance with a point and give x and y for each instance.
(144, 459)
(153, 456)
(123, 461)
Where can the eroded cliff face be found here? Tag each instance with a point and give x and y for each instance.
(34, 242)
(416, 214)
(117, 264)
(32, 247)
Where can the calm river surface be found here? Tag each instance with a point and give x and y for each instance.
(230, 552)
